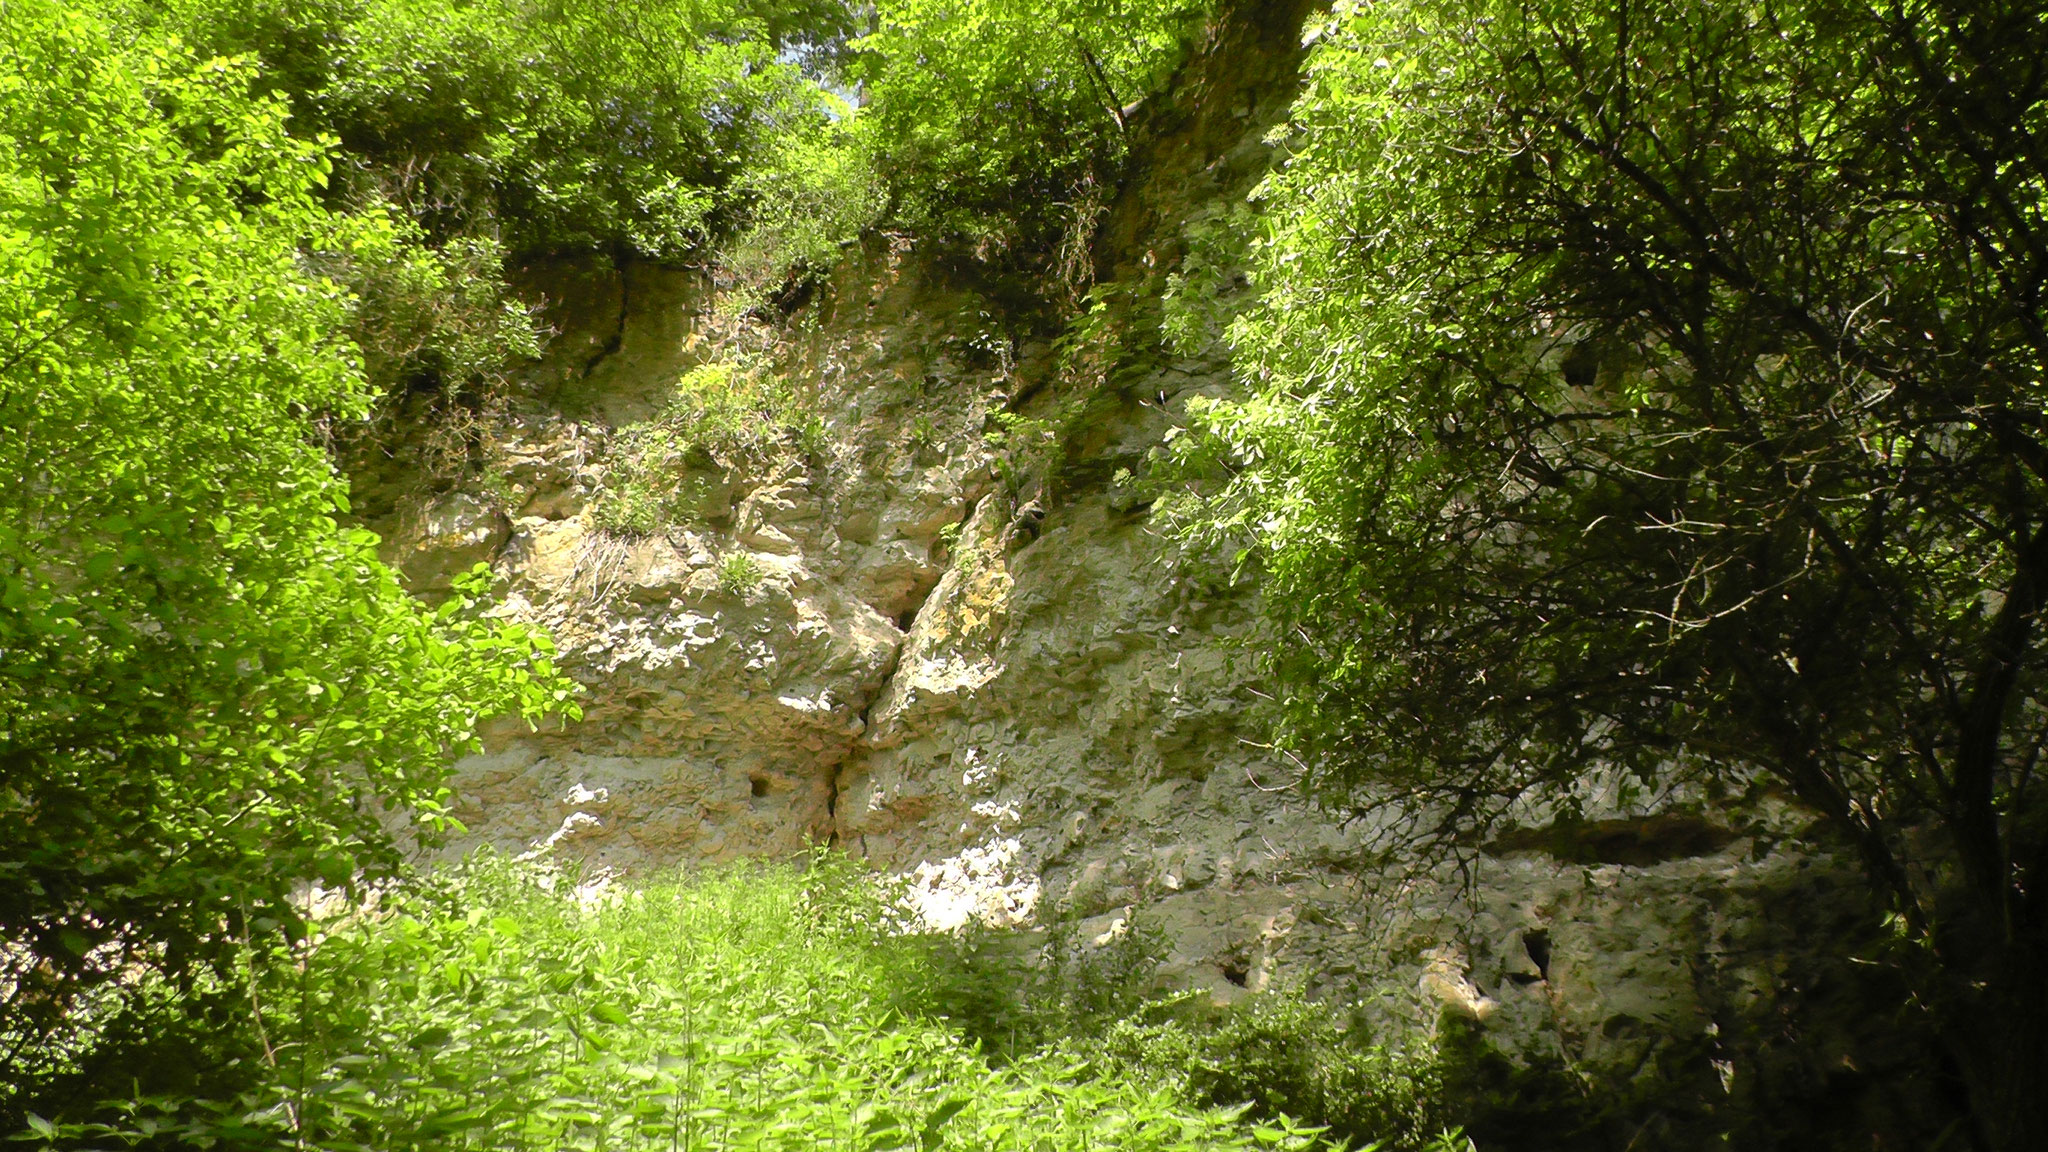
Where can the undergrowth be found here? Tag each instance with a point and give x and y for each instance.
(1276, 1054)
(763, 1007)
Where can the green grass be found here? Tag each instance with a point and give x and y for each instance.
(758, 1008)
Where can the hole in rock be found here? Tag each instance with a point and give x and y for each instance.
(1235, 973)
(1638, 840)
(1581, 367)
(758, 784)
(1537, 945)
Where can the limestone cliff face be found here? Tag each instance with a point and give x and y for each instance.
(976, 661)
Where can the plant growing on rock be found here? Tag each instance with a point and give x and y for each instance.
(737, 414)
(722, 419)
(739, 573)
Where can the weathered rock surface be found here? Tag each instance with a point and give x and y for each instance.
(996, 677)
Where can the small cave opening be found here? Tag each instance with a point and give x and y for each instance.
(1537, 944)
(757, 784)
(1581, 366)
(1236, 972)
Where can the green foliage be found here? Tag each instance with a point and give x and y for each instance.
(740, 414)
(1655, 390)
(1004, 120)
(565, 126)
(656, 128)
(440, 334)
(1023, 446)
(1205, 293)
(1285, 1055)
(1275, 1055)
(434, 320)
(209, 690)
(739, 573)
(752, 1008)
(1014, 994)
(810, 196)
(502, 132)
(681, 128)
(633, 506)
(722, 416)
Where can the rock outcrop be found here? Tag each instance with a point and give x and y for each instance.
(948, 636)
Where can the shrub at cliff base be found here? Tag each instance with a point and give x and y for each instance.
(761, 1008)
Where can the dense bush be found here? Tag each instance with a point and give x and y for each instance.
(1014, 993)
(657, 129)
(1646, 392)
(562, 126)
(1282, 1055)
(805, 203)
(501, 132)
(210, 690)
(506, 1008)
(708, 131)
(1021, 995)
(1005, 121)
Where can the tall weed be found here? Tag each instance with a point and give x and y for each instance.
(751, 1009)
(1273, 1055)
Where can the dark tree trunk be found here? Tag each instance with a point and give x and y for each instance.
(1997, 1031)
